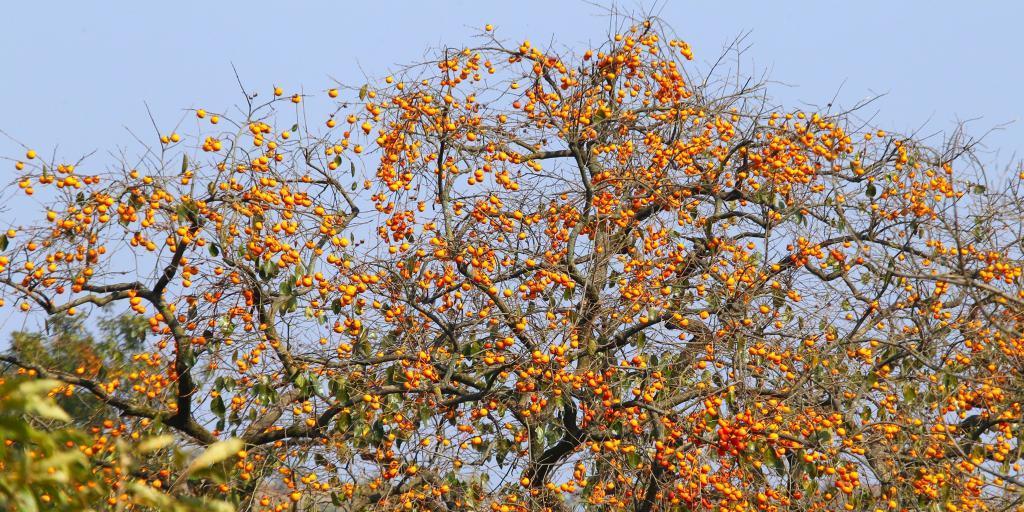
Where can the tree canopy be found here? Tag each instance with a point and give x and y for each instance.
(518, 278)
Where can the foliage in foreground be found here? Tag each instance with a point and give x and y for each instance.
(517, 279)
(47, 465)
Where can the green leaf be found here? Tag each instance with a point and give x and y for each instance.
(774, 460)
(870, 190)
(148, 496)
(4, 242)
(950, 381)
(426, 413)
(363, 347)
(633, 458)
(217, 406)
(34, 393)
(225, 325)
(155, 443)
(909, 392)
(184, 163)
(363, 91)
(26, 501)
(217, 452)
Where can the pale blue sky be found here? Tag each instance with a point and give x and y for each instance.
(76, 74)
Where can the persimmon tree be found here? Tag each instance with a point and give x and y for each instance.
(513, 278)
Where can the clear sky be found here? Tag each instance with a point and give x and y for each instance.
(76, 74)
